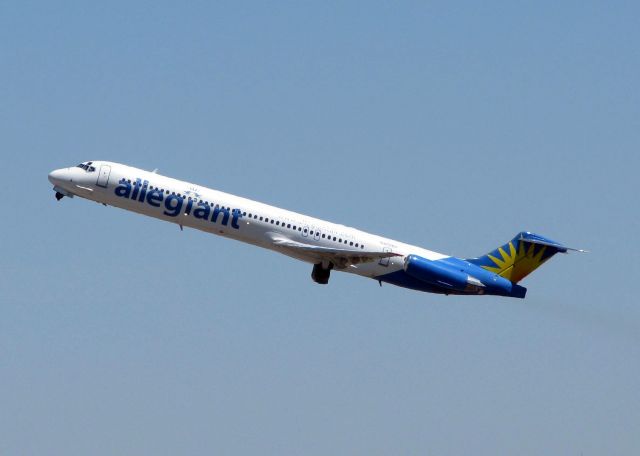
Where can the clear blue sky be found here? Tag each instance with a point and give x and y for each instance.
(451, 126)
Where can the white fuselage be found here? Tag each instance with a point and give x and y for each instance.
(194, 206)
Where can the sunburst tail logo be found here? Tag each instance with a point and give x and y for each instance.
(519, 257)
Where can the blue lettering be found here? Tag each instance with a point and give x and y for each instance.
(154, 198)
(173, 203)
(189, 206)
(136, 189)
(225, 214)
(144, 191)
(236, 216)
(123, 189)
(202, 211)
(173, 209)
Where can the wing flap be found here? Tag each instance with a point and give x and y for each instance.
(341, 258)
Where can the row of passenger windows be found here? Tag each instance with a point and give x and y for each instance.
(267, 220)
(303, 230)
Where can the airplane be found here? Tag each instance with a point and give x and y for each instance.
(327, 246)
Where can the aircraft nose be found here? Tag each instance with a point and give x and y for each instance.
(57, 175)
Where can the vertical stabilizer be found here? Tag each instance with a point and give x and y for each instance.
(519, 257)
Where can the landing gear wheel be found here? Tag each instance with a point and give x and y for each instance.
(59, 196)
(321, 274)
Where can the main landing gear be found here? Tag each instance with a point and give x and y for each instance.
(321, 273)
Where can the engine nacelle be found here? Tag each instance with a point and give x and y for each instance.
(459, 276)
(443, 275)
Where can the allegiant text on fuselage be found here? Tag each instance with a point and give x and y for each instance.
(173, 204)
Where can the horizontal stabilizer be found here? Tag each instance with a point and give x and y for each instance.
(537, 239)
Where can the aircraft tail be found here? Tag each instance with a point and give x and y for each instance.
(520, 257)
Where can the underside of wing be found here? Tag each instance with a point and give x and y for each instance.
(340, 258)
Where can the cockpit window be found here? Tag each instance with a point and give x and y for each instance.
(86, 167)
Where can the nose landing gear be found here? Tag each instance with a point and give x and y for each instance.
(59, 196)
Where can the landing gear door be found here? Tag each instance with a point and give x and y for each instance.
(103, 176)
(384, 261)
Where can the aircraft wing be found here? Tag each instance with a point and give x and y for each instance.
(341, 258)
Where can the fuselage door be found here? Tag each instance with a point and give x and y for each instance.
(103, 176)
